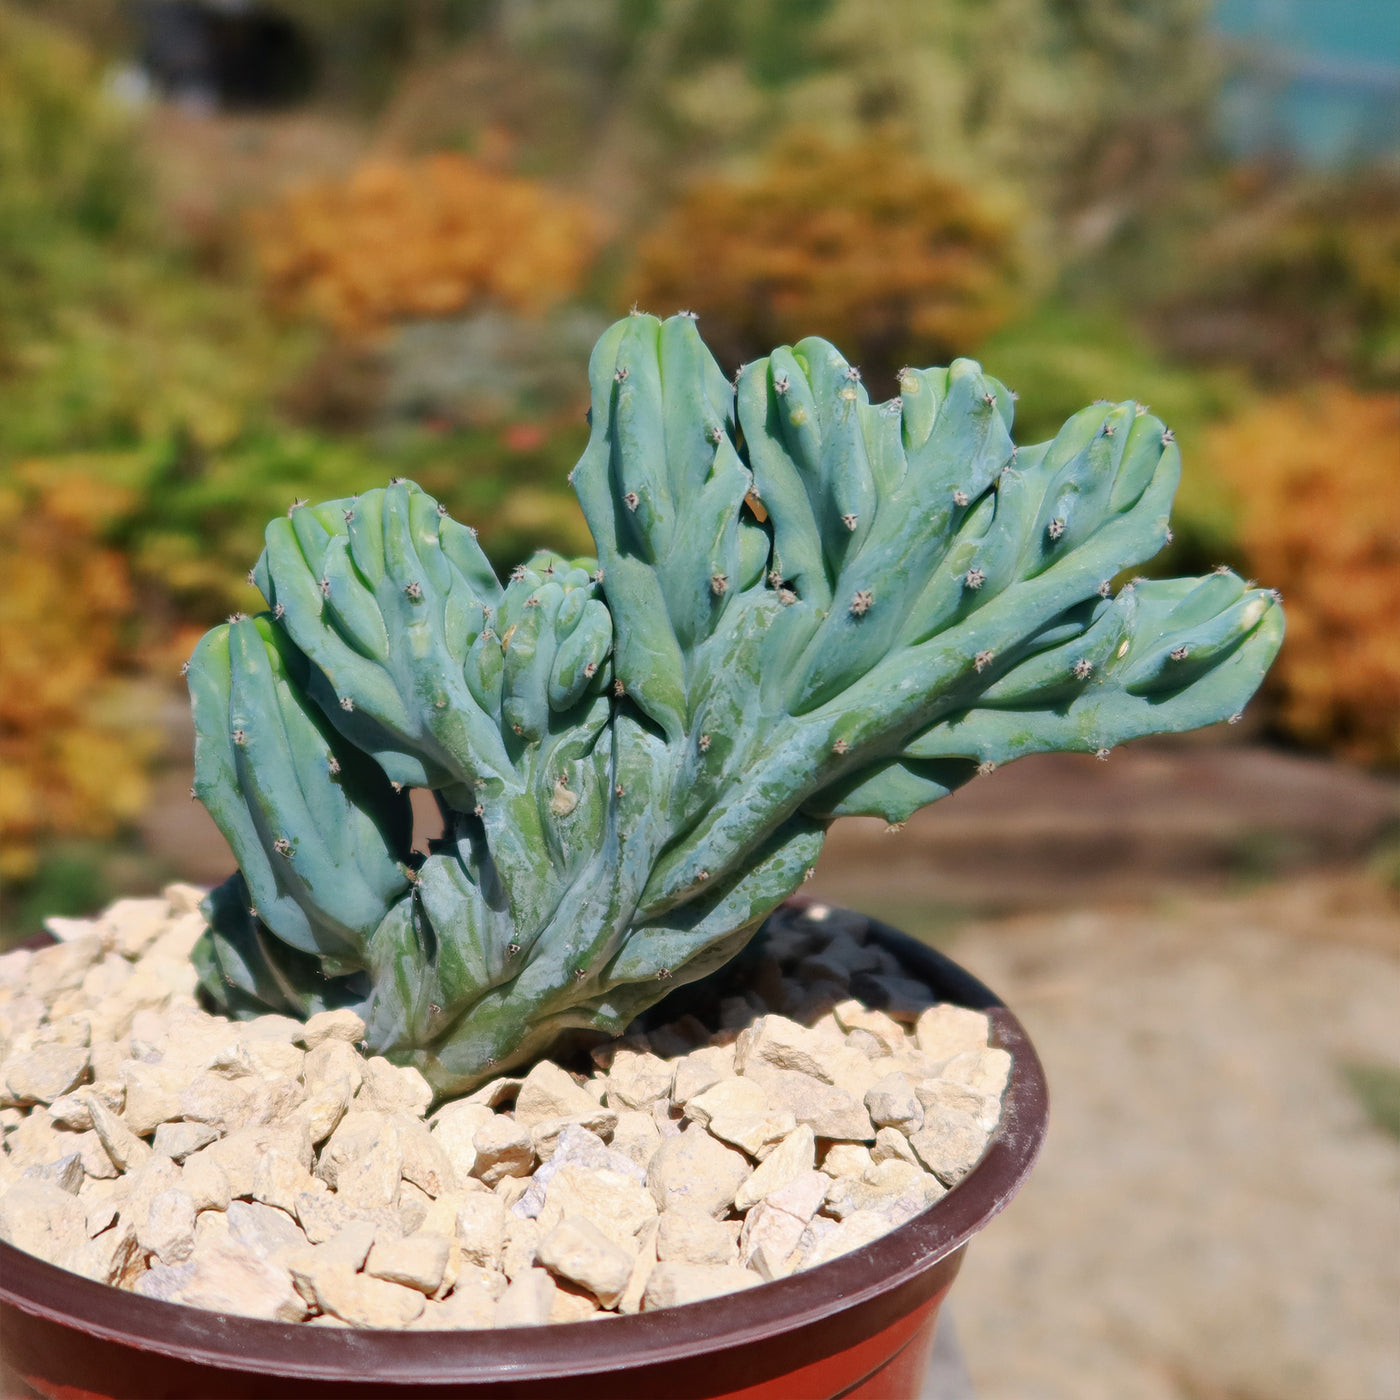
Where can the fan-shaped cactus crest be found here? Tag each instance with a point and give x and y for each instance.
(804, 605)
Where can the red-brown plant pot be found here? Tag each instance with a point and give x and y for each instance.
(860, 1326)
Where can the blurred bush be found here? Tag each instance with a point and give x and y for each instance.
(862, 244)
(425, 237)
(73, 751)
(1295, 278)
(109, 335)
(1317, 475)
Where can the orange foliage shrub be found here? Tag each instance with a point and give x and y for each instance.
(1317, 477)
(71, 760)
(429, 237)
(863, 245)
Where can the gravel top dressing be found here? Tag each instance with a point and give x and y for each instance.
(269, 1168)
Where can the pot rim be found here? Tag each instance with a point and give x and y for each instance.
(802, 1300)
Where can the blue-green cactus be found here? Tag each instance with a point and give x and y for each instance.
(804, 606)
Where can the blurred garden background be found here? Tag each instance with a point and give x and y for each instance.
(254, 253)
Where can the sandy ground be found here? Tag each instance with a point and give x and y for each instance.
(1213, 1217)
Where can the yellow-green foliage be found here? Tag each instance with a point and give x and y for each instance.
(72, 761)
(64, 152)
(107, 336)
(861, 244)
(428, 237)
(1318, 481)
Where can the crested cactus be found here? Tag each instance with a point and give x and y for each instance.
(804, 606)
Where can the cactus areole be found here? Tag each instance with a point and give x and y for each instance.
(804, 605)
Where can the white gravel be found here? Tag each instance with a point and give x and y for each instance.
(270, 1168)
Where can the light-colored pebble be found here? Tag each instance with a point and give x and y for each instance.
(363, 1161)
(572, 1303)
(414, 1204)
(64, 1172)
(66, 1111)
(278, 1179)
(701, 1069)
(168, 1230)
(892, 1103)
(732, 1095)
(178, 1140)
(576, 1250)
(523, 1236)
(636, 1137)
(528, 1301)
(614, 1201)
(417, 1262)
(884, 1029)
(939, 1095)
(393, 1088)
(546, 1133)
(855, 1231)
(480, 1228)
(496, 1092)
(464, 1309)
(425, 1160)
(890, 1142)
(364, 1301)
(323, 1216)
(341, 1024)
(694, 1237)
(797, 1153)
(637, 1080)
(697, 1170)
(223, 1103)
(42, 1219)
(130, 926)
(802, 1196)
(769, 1240)
(206, 1182)
(454, 1126)
(784, 1045)
(510, 1189)
(126, 1150)
(113, 1257)
(672, 1283)
(503, 1148)
(549, 1092)
(610, 1191)
(266, 1231)
(895, 1188)
(829, 1111)
(642, 1265)
(45, 1073)
(238, 1152)
(949, 1144)
(944, 1031)
(984, 1071)
(226, 1277)
(137, 1189)
(61, 968)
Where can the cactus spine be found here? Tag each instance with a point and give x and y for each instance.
(804, 606)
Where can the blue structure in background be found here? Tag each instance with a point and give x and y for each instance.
(1315, 80)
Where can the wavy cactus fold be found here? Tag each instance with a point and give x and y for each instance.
(804, 606)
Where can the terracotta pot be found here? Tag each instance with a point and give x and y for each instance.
(862, 1325)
